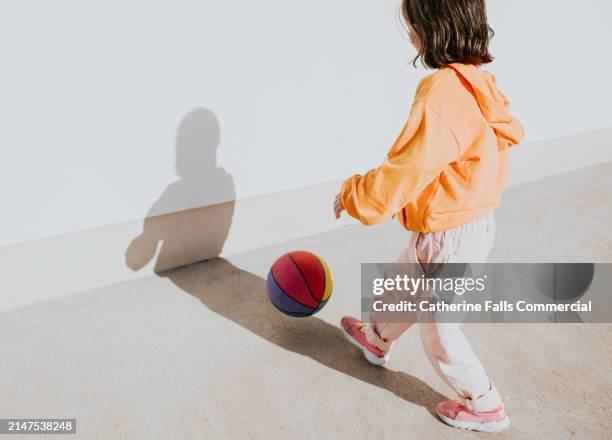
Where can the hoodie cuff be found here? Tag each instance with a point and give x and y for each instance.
(346, 190)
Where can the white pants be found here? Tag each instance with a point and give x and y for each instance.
(447, 348)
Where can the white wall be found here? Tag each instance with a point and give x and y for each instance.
(95, 96)
(553, 62)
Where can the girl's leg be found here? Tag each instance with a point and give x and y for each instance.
(382, 335)
(447, 348)
(380, 332)
(456, 363)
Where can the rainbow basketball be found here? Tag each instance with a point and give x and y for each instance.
(299, 284)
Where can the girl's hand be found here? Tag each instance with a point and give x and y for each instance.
(338, 206)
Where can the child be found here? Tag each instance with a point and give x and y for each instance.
(443, 177)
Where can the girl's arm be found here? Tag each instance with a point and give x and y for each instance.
(424, 147)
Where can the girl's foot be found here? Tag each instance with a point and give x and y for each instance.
(457, 415)
(354, 330)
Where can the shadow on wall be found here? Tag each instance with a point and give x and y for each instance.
(186, 236)
(235, 294)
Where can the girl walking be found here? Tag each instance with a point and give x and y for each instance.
(443, 178)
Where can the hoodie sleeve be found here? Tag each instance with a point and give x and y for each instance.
(423, 148)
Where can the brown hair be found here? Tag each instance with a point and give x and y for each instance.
(451, 31)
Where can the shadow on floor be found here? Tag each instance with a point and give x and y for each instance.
(241, 297)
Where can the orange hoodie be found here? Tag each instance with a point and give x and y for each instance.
(450, 162)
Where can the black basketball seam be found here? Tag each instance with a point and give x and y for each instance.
(297, 315)
(285, 292)
(318, 301)
(294, 314)
(322, 304)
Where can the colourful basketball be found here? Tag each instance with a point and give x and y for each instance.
(299, 284)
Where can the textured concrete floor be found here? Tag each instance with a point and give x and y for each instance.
(199, 353)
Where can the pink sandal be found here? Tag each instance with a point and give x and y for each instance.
(354, 330)
(457, 415)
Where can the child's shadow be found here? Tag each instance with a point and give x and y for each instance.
(185, 236)
(241, 297)
(235, 294)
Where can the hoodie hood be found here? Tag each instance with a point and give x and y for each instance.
(493, 105)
